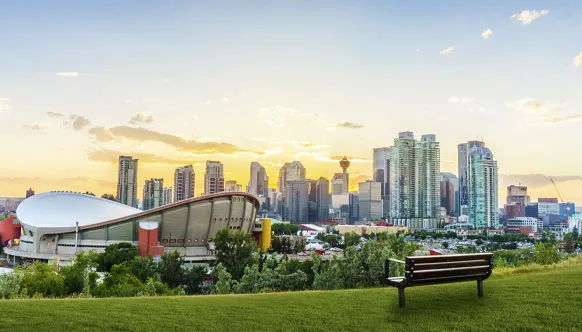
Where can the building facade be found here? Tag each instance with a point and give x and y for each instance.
(482, 184)
(370, 201)
(214, 178)
(463, 165)
(29, 192)
(295, 201)
(448, 196)
(168, 195)
(381, 173)
(153, 194)
(293, 171)
(259, 181)
(127, 181)
(322, 199)
(429, 170)
(184, 183)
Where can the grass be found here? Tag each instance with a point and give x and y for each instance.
(542, 301)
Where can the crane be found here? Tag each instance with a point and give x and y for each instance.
(566, 207)
(556, 187)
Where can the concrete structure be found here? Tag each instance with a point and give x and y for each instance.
(370, 201)
(454, 180)
(514, 210)
(213, 178)
(57, 225)
(340, 182)
(547, 200)
(415, 224)
(354, 208)
(184, 183)
(29, 192)
(517, 194)
(167, 193)
(296, 202)
(259, 181)
(463, 165)
(483, 195)
(381, 173)
(127, 181)
(153, 194)
(322, 199)
(311, 201)
(293, 171)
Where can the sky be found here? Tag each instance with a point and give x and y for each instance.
(181, 82)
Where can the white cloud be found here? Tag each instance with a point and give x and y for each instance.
(578, 60)
(36, 126)
(528, 16)
(460, 100)
(141, 118)
(477, 109)
(531, 105)
(224, 100)
(447, 50)
(68, 74)
(487, 33)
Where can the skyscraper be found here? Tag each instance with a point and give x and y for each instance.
(517, 194)
(127, 181)
(167, 195)
(312, 201)
(381, 173)
(482, 188)
(29, 192)
(463, 163)
(429, 170)
(370, 200)
(214, 177)
(293, 171)
(153, 194)
(322, 187)
(259, 181)
(184, 183)
(454, 180)
(448, 196)
(296, 201)
(231, 185)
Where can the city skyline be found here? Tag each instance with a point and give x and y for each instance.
(86, 88)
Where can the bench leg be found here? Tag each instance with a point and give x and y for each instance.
(480, 287)
(400, 297)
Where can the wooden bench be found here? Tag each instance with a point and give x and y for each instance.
(439, 269)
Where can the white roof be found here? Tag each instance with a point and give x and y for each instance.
(63, 209)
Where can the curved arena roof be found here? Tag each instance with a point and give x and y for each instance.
(63, 209)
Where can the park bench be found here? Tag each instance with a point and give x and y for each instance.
(439, 269)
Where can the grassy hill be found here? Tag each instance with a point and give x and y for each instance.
(540, 301)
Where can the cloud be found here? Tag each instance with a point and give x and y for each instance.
(462, 100)
(4, 99)
(141, 117)
(487, 33)
(477, 110)
(559, 119)
(536, 106)
(36, 126)
(348, 125)
(528, 16)
(146, 135)
(79, 122)
(55, 114)
(43, 184)
(447, 50)
(578, 60)
(307, 145)
(224, 100)
(112, 157)
(68, 74)
(350, 158)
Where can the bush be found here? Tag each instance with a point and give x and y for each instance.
(120, 282)
(10, 285)
(170, 269)
(79, 278)
(546, 253)
(116, 254)
(41, 280)
(193, 279)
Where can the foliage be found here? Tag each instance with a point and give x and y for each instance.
(332, 239)
(143, 268)
(351, 239)
(170, 269)
(193, 279)
(80, 278)
(116, 254)
(42, 280)
(284, 229)
(467, 249)
(10, 285)
(224, 282)
(235, 251)
(546, 253)
(445, 245)
(287, 245)
(121, 282)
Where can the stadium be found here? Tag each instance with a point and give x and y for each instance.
(57, 225)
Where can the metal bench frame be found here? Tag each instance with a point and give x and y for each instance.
(439, 269)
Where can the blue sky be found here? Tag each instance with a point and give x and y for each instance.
(278, 77)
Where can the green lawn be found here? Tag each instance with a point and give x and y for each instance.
(545, 301)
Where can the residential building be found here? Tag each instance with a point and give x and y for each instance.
(127, 181)
(381, 173)
(29, 192)
(322, 199)
(354, 208)
(312, 201)
(482, 180)
(295, 201)
(463, 164)
(214, 177)
(429, 169)
(153, 194)
(259, 181)
(523, 225)
(370, 201)
(447, 191)
(293, 171)
(167, 193)
(231, 186)
(517, 194)
(184, 183)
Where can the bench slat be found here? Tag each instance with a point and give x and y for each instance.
(444, 280)
(447, 258)
(444, 265)
(451, 272)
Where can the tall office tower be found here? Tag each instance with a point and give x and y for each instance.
(214, 177)
(454, 180)
(403, 178)
(184, 183)
(29, 192)
(448, 196)
(482, 188)
(259, 181)
(337, 184)
(381, 173)
(322, 199)
(231, 185)
(517, 194)
(295, 201)
(168, 195)
(428, 172)
(370, 200)
(463, 163)
(153, 194)
(293, 171)
(312, 201)
(127, 181)
(354, 208)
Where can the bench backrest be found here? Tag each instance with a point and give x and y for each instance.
(447, 268)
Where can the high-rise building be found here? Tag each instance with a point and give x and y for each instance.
(428, 172)
(153, 194)
(293, 171)
(259, 181)
(381, 173)
(463, 164)
(184, 183)
(338, 184)
(127, 181)
(482, 188)
(231, 185)
(29, 192)
(454, 180)
(167, 195)
(214, 177)
(322, 199)
(354, 208)
(311, 201)
(517, 194)
(448, 196)
(547, 200)
(296, 202)
(370, 200)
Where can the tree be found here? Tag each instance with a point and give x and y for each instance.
(10, 285)
(445, 245)
(351, 239)
(546, 253)
(224, 282)
(143, 268)
(170, 269)
(235, 251)
(570, 243)
(193, 279)
(116, 254)
(332, 239)
(479, 242)
(284, 229)
(120, 282)
(42, 279)
(80, 278)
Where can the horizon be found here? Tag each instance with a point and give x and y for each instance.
(179, 83)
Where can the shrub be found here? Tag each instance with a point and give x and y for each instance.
(41, 280)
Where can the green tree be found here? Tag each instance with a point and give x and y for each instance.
(10, 285)
(445, 245)
(351, 239)
(42, 279)
(170, 269)
(120, 282)
(116, 254)
(479, 242)
(79, 278)
(284, 229)
(224, 282)
(143, 268)
(235, 251)
(332, 239)
(546, 253)
(193, 279)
